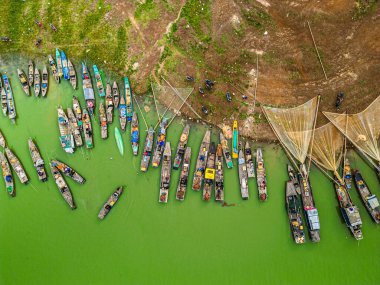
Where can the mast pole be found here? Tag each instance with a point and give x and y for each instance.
(312, 137)
(155, 103)
(345, 142)
(134, 97)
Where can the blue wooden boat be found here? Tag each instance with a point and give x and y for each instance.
(135, 134)
(65, 66)
(128, 98)
(58, 60)
(10, 100)
(88, 91)
(99, 82)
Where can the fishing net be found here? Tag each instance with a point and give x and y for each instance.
(362, 129)
(294, 126)
(328, 148)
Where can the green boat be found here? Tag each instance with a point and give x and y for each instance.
(119, 141)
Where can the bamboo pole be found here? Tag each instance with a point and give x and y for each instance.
(155, 103)
(312, 137)
(134, 97)
(257, 81)
(316, 49)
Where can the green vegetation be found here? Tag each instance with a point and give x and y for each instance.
(258, 18)
(364, 7)
(198, 15)
(147, 11)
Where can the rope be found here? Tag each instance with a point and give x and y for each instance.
(180, 108)
(134, 97)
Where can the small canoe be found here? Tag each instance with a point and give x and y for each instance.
(109, 104)
(201, 162)
(347, 173)
(184, 178)
(38, 162)
(88, 91)
(181, 147)
(135, 134)
(74, 127)
(37, 82)
(65, 66)
(72, 75)
(16, 166)
(54, 69)
(122, 113)
(261, 176)
(99, 82)
(119, 141)
(160, 143)
(10, 100)
(45, 82)
(115, 94)
(219, 177)
(294, 209)
(87, 129)
(58, 59)
(68, 171)
(226, 151)
(243, 176)
(128, 98)
(4, 104)
(147, 153)
(78, 112)
(249, 160)
(103, 121)
(30, 73)
(7, 175)
(110, 203)
(2, 140)
(24, 81)
(165, 174)
(66, 138)
(62, 187)
(209, 173)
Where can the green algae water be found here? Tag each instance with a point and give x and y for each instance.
(142, 241)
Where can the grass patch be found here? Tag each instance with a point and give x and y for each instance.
(363, 8)
(257, 18)
(198, 15)
(147, 11)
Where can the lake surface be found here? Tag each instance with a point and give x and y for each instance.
(142, 241)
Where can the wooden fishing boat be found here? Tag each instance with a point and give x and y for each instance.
(181, 147)
(87, 129)
(128, 98)
(72, 75)
(45, 82)
(201, 162)
(226, 151)
(30, 73)
(7, 175)
(88, 91)
(122, 113)
(58, 59)
(99, 82)
(68, 171)
(160, 143)
(103, 121)
(37, 82)
(349, 211)
(148, 146)
(24, 81)
(16, 166)
(135, 134)
(10, 100)
(109, 104)
(293, 206)
(65, 66)
(249, 160)
(261, 176)
(62, 187)
(347, 173)
(235, 140)
(209, 173)
(74, 127)
(78, 112)
(219, 177)
(369, 200)
(38, 162)
(184, 178)
(165, 174)
(119, 141)
(243, 176)
(66, 137)
(4, 104)
(54, 69)
(110, 203)
(115, 93)
(2, 140)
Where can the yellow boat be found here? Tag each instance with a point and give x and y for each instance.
(235, 150)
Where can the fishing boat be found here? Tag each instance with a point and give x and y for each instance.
(370, 200)
(66, 138)
(10, 100)
(219, 177)
(115, 93)
(261, 176)
(181, 147)
(88, 91)
(109, 104)
(226, 151)
(309, 208)
(349, 211)
(2, 140)
(119, 141)
(7, 175)
(201, 162)
(58, 59)
(293, 206)
(122, 113)
(4, 104)
(99, 82)
(87, 129)
(135, 134)
(38, 162)
(165, 174)
(347, 174)
(45, 82)
(30, 73)
(235, 140)
(68, 171)
(16, 166)
(209, 173)
(160, 143)
(103, 121)
(37, 82)
(78, 112)
(148, 146)
(184, 178)
(74, 127)
(54, 69)
(243, 176)
(65, 66)
(128, 98)
(249, 160)
(110, 203)
(72, 75)
(62, 186)
(294, 179)
(24, 81)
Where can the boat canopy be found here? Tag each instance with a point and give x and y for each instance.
(363, 129)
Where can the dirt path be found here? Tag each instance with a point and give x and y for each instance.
(137, 28)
